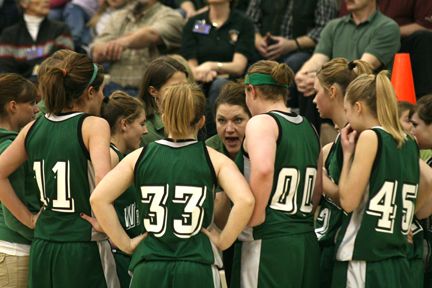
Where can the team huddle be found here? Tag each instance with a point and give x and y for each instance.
(92, 197)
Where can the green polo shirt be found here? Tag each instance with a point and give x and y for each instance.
(216, 143)
(155, 130)
(378, 35)
(236, 35)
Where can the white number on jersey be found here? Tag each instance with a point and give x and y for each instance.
(285, 196)
(191, 219)
(324, 218)
(383, 206)
(64, 201)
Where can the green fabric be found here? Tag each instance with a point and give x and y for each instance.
(127, 208)
(258, 79)
(390, 273)
(122, 266)
(65, 181)
(76, 265)
(289, 210)
(183, 178)
(11, 229)
(426, 154)
(287, 261)
(381, 235)
(379, 36)
(216, 143)
(173, 274)
(330, 215)
(155, 130)
(327, 260)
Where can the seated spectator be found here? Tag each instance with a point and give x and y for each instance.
(76, 15)
(415, 22)
(217, 42)
(9, 13)
(133, 37)
(34, 38)
(190, 8)
(364, 34)
(100, 19)
(56, 9)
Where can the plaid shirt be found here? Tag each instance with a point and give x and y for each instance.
(325, 11)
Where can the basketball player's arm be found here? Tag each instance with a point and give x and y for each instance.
(106, 192)
(330, 189)
(357, 167)
(96, 135)
(318, 189)
(12, 158)
(424, 197)
(262, 133)
(238, 191)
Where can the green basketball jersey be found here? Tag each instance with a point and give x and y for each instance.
(64, 177)
(330, 215)
(175, 182)
(11, 229)
(289, 210)
(126, 207)
(378, 228)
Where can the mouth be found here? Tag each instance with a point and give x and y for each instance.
(232, 141)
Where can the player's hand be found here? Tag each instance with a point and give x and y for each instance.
(34, 218)
(93, 221)
(134, 242)
(410, 237)
(215, 237)
(348, 140)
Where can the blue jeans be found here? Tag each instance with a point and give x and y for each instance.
(76, 19)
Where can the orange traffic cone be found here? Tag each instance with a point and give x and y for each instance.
(402, 78)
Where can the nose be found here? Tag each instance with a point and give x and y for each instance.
(35, 109)
(230, 126)
(144, 130)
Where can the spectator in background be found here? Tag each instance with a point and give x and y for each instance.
(132, 38)
(415, 23)
(364, 34)
(26, 44)
(9, 13)
(56, 9)
(288, 31)
(217, 42)
(76, 15)
(100, 19)
(190, 8)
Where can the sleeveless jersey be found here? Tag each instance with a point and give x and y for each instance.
(378, 228)
(289, 210)
(21, 183)
(330, 214)
(64, 176)
(126, 207)
(175, 182)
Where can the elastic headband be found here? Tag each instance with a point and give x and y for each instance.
(95, 71)
(262, 79)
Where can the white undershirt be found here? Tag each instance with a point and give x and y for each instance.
(33, 24)
(14, 249)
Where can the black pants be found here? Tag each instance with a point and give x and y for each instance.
(419, 45)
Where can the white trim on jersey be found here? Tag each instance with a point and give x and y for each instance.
(59, 118)
(250, 260)
(346, 248)
(296, 119)
(175, 144)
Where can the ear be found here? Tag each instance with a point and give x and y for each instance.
(123, 124)
(252, 91)
(90, 92)
(358, 107)
(12, 107)
(333, 90)
(153, 91)
(201, 122)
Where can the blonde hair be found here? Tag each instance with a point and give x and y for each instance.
(341, 72)
(182, 107)
(280, 72)
(378, 94)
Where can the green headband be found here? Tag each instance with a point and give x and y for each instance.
(257, 79)
(95, 71)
